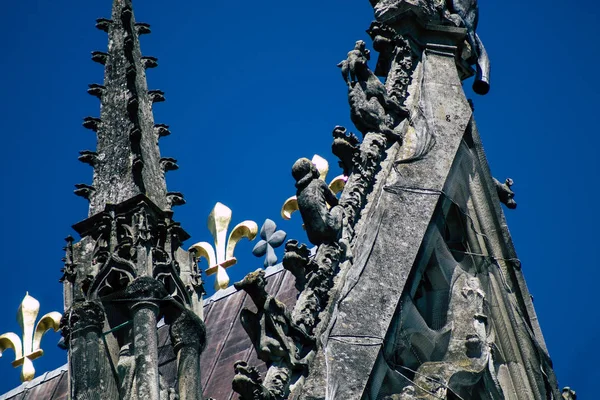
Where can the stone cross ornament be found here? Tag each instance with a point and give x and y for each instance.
(270, 239)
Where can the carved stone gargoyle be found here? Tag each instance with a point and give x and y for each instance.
(371, 108)
(271, 329)
(296, 260)
(248, 383)
(313, 194)
(505, 193)
(345, 147)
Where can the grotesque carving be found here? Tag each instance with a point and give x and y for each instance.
(371, 109)
(322, 225)
(357, 59)
(296, 260)
(384, 42)
(271, 329)
(248, 383)
(505, 193)
(345, 147)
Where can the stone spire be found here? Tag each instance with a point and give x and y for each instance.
(129, 270)
(127, 161)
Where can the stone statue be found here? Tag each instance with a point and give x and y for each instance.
(322, 225)
(346, 147)
(371, 108)
(465, 13)
(271, 329)
(357, 59)
(505, 193)
(248, 383)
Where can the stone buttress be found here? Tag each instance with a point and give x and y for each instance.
(415, 291)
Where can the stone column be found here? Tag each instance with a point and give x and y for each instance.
(81, 327)
(188, 335)
(145, 294)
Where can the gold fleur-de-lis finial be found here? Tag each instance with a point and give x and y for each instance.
(221, 256)
(29, 349)
(336, 185)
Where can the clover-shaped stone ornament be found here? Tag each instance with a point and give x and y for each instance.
(271, 238)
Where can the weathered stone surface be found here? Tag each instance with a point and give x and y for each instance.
(125, 129)
(388, 246)
(188, 335)
(428, 13)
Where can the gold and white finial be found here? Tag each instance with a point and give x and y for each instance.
(220, 256)
(29, 349)
(336, 185)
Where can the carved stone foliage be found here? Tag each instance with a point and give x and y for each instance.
(248, 383)
(371, 108)
(505, 193)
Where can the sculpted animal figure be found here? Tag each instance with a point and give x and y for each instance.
(505, 193)
(271, 329)
(371, 107)
(357, 59)
(322, 225)
(466, 13)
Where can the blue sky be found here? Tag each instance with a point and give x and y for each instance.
(250, 88)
